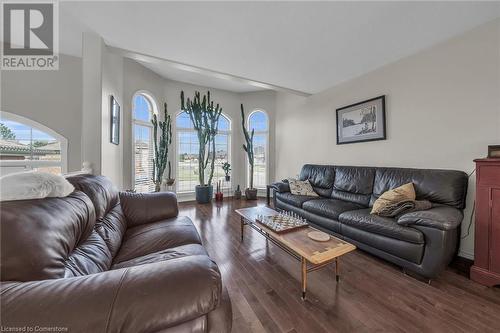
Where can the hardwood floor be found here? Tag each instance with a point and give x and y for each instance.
(372, 295)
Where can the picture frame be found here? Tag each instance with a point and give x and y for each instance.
(361, 122)
(114, 121)
(494, 151)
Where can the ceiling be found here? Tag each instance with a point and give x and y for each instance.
(170, 72)
(307, 47)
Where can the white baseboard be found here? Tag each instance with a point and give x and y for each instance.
(466, 255)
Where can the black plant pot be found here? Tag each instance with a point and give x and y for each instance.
(204, 193)
(228, 178)
(251, 194)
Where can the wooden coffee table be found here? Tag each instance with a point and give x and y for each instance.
(312, 254)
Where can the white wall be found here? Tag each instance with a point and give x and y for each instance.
(443, 107)
(112, 85)
(51, 98)
(92, 58)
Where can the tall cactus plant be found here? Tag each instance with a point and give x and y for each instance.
(248, 148)
(161, 147)
(205, 118)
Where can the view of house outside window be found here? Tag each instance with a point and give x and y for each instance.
(23, 147)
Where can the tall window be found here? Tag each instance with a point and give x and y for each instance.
(142, 110)
(258, 121)
(187, 152)
(28, 145)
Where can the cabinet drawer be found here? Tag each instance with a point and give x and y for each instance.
(489, 175)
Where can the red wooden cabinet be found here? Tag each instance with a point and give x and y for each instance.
(486, 269)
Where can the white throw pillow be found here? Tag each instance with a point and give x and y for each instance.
(33, 185)
(301, 187)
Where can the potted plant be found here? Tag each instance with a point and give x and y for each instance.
(170, 180)
(227, 168)
(161, 146)
(250, 193)
(205, 119)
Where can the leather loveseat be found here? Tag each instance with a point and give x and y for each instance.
(100, 260)
(423, 242)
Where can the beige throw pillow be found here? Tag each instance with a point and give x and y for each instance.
(405, 192)
(299, 187)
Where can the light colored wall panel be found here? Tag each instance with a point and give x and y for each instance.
(51, 98)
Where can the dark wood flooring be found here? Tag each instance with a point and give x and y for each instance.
(373, 295)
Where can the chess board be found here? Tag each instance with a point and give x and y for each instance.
(281, 223)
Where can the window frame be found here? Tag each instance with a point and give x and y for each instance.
(266, 149)
(192, 130)
(154, 110)
(63, 163)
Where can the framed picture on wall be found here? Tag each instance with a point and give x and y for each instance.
(115, 121)
(361, 122)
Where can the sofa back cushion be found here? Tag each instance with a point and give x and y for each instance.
(62, 237)
(38, 236)
(110, 220)
(354, 184)
(363, 185)
(321, 178)
(447, 187)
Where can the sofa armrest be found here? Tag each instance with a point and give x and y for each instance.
(140, 208)
(440, 217)
(145, 298)
(281, 186)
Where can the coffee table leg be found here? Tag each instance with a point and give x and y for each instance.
(337, 269)
(304, 277)
(242, 221)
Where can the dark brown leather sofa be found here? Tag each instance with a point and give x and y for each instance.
(101, 260)
(423, 242)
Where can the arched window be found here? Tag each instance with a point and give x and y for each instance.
(187, 152)
(28, 145)
(258, 121)
(143, 107)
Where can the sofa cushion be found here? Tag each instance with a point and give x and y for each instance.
(362, 219)
(442, 218)
(320, 176)
(39, 235)
(167, 254)
(111, 223)
(91, 256)
(330, 208)
(447, 187)
(353, 184)
(383, 246)
(100, 190)
(142, 208)
(294, 200)
(157, 236)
